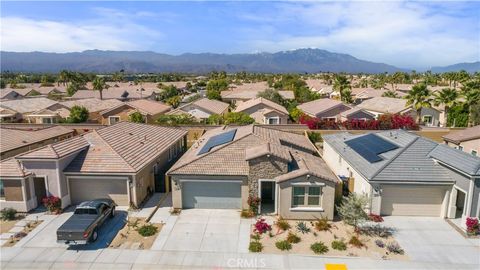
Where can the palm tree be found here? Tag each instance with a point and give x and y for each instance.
(419, 97)
(390, 94)
(471, 94)
(99, 84)
(447, 97)
(63, 77)
(341, 84)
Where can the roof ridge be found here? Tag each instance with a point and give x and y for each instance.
(53, 150)
(109, 146)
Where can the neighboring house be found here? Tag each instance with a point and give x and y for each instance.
(264, 111)
(123, 162)
(406, 175)
(9, 116)
(94, 106)
(361, 94)
(324, 108)
(201, 108)
(39, 110)
(319, 86)
(467, 140)
(150, 110)
(243, 92)
(229, 165)
(16, 141)
(356, 113)
(123, 94)
(9, 94)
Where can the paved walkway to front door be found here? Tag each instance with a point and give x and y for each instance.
(208, 230)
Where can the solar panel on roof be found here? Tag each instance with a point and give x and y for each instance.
(370, 146)
(217, 140)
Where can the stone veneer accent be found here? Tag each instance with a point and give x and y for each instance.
(264, 168)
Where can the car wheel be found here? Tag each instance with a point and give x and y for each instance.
(94, 236)
(112, 214)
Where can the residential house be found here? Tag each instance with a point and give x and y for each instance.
(324, 108)
(150, 110)
(202, 108)
(123, 94)
(264, 111)
(319, 86)
(467, 140)
(356, 113)
(39, 110)
(243, 92)
(9, 116)
(14, 141)
(123, 162)
(94, 106)
(361, 94)
(9, 94)
(404, 174)
(228, 165)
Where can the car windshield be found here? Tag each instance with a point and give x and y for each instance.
(85, 211)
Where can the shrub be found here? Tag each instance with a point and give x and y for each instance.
(255, 236)
(283, 245)
(303, 227)
(293, 238)
(394, 247)
(253, 203)
(319, 248)
(282, 224)
(261, 226)
(322, 224)
(472, 225)
(175, 211)
(376, 230)
(247, 213)
(351, 209)
(339, 245)
(147, 230)
(255, 246)
(379, 243)
(355, 241)
(52, 203)
(8, 213)
(375, 218)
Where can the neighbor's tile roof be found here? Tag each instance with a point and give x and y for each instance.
(144, 106)
(116, 93)
(467, 134)
(124, 147)
(458, 159)
(318, 106)
(5, 92)
(254, 87)
(366, 93)
(353, 111)
(27, 105)
(253, 102)
(250, 94)
(209, 105)
(56, 150)
(11, 168)
(93, 104)
(384, 105)
(16, 138)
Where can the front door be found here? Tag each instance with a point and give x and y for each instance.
(460, 204)
(267, 196)
(40, 189)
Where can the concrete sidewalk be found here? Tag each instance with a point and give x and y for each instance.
(58, 258)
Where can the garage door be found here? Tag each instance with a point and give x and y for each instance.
(89, 189)
(412, 200)
(211, 195)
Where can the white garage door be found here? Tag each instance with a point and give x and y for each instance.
(412, 200)
(90, 189)
(211, 195)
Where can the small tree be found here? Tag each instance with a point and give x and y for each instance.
(352, 209)
(174, 101)
(78, 114)
(239, 118)
(136, 117)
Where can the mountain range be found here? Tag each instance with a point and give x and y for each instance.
(298, 61)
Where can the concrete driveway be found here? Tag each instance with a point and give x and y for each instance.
(208, 230)
(45, 234)
(430, 239)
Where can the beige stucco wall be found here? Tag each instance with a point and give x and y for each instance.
(327, 200)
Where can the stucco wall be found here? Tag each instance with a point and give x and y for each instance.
(46, 169)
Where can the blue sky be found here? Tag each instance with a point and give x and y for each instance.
(405, 34)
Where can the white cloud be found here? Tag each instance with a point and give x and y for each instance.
(111, 30)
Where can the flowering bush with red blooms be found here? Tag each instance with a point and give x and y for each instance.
(253, 202)
(262, 227)
(375, 218)
(315, 123)
(472, 225)
(385, 121)
(52, 203)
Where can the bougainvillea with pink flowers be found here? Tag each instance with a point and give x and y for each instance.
(472, 225)
(53, 204)
(261, 226)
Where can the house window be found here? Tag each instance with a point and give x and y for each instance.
(273, 121)
(113, 119)
(474, 153)
(46, 120)
(306, 196)
(460, 148)
(427, 119)
(2, 191)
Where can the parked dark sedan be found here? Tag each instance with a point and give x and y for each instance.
(82, 227)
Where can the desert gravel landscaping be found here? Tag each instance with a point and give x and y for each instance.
(129, 236)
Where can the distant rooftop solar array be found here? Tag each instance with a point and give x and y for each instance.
(370, 147)
(217, 140)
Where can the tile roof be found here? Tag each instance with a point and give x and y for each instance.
(115, 93)
(354, 110)
(93, 104)
(458, 159)
(384, 105)
(15, 138)
(268, 149)
(145, 106)
(308, 165)
(27, 105)
(467, 134)
(254, 87)
(209, 105)
(256, 101)
(366, 93)
(11, 168)
(318, 106)
(56, 150)
(124, 147)
(5, 92)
